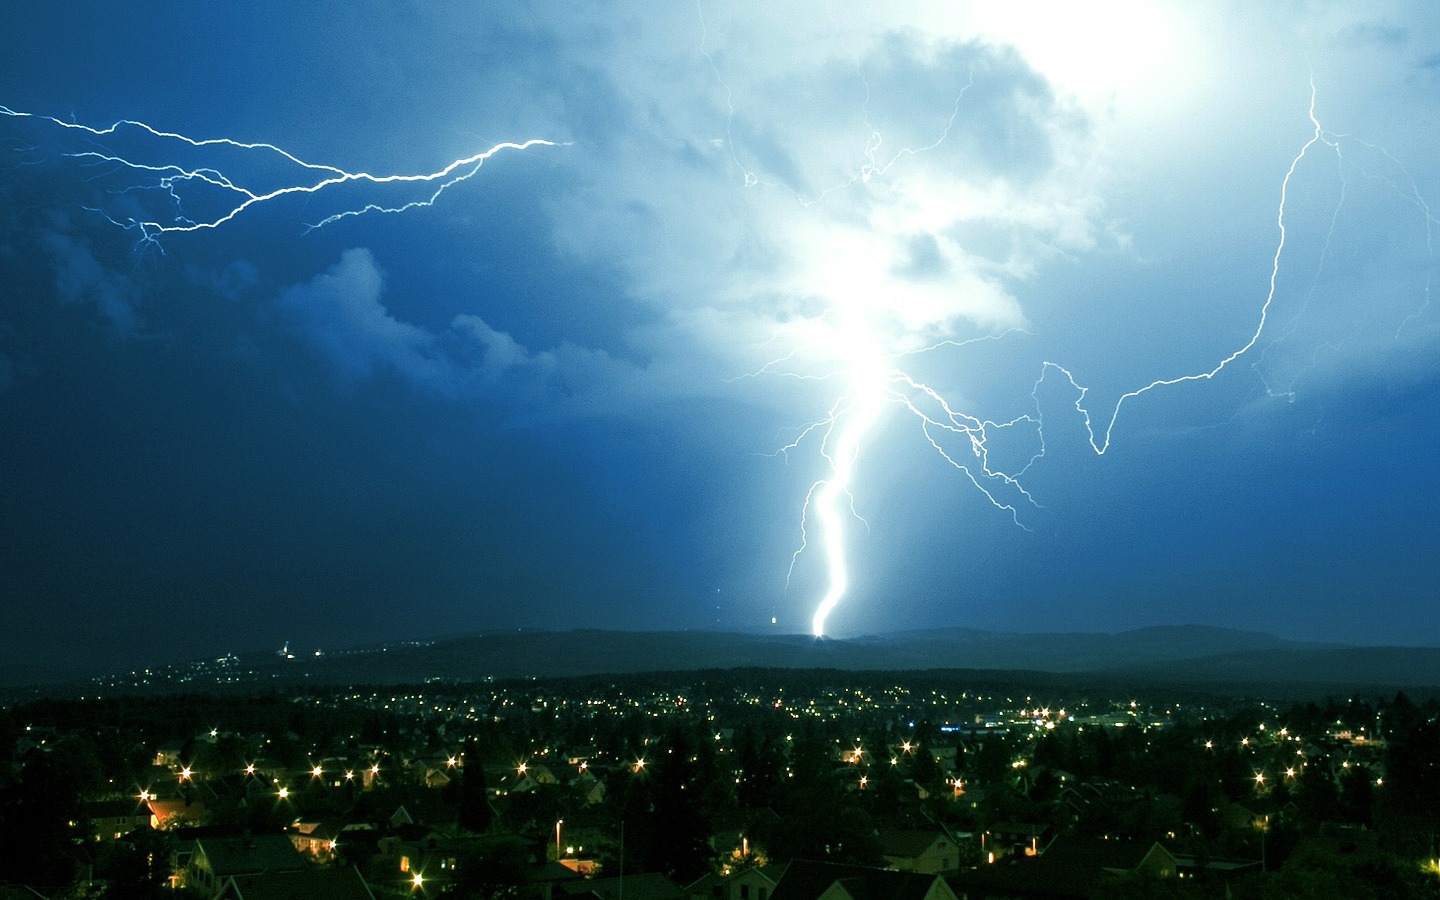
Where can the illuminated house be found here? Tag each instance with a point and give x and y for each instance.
(316, 839)
(167, 814)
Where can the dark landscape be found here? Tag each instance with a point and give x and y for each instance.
(1166, 762)
(1241, 663)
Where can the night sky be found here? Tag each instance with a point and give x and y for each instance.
(590, 385)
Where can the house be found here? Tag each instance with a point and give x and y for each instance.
(526, 777)
(805, 880)
(177, 813)
(426, 809)
(1115, 857)
(214, 861)
(1028, 838)
(301, 884)
(1068, 870)
(316, 839)
(111, 820)
(644, 886)
(547, 879)
(430, 856)
(930, 852)
(740, 884)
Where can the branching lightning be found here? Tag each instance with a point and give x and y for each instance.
(179, 182)
(1102, 444)
(874, 379)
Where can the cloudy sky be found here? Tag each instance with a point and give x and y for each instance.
(1056, 317)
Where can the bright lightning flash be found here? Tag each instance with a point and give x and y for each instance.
(873, 381)
(850, 420)
(868, 355)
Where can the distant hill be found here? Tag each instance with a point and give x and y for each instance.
(1191, 655)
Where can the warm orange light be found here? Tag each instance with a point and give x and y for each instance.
(250, 769)
(520, 769)
(185, 774)
(451, 762)
(349, 775)
(417, 879)
(283, 793)
(146, 796)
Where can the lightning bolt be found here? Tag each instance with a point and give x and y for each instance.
(181, 184)
(874, 379)
(1102, 444)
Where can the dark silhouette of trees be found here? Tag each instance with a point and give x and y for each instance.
(475, 814)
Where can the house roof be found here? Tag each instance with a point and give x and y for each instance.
(909, 842)
(805, 880)
(1069, 869)
(116, 809)
(250, 855)
(645, 886)
(1114, 855)
(168, 812)
(306, 884)
(701, 885)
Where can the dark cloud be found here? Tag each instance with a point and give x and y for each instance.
(81, 278)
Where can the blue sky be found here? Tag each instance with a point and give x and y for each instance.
(595, 383)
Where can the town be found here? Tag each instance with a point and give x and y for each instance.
(745, 784)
